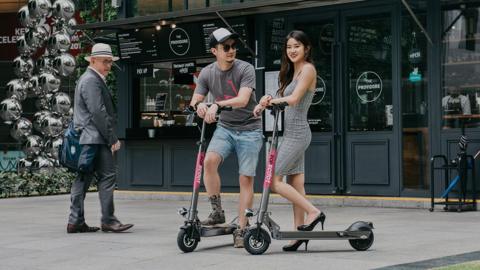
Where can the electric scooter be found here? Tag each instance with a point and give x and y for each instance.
(192, 230)
(257, 239)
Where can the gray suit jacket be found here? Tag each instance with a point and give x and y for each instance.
(93, 112)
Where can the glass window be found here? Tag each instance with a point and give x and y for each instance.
(148, 7)
(461, 64)
(193, 4)
(222, 2)
(414, 98)
(163, 96)
(369, 58)
(179, 5)
(322, 37)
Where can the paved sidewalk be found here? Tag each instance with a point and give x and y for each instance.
(33, 237)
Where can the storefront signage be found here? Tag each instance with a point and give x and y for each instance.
(320, 91)
(179, 41)
(10, 31)
(144, 71)
(9, 160)
(415, 76)
(415, 56)
(184, 68)
(369, 86)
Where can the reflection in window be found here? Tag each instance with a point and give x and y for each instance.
(369, 52)
(414, 111)
(193, 4)
(461, 65)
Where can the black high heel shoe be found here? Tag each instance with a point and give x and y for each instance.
(309, 227)
(294, 246)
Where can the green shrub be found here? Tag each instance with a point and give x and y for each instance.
(14, 184)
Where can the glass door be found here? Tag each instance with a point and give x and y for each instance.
(367, 105)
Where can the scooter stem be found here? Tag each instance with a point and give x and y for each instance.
(192, 214)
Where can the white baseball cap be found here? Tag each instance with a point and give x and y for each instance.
(101, 50)
(220, 35)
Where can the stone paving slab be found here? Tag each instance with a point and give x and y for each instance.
(33, 237)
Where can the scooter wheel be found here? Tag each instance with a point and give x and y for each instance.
(362, 244)
(185, 242)
(256, 241)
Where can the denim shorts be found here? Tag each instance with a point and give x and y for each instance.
(247, 144)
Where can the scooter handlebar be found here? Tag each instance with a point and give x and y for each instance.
(192, 110)
(277, 106)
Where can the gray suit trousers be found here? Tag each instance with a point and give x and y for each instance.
(104, 168)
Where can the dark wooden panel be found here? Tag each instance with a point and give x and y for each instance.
(146, 165)
(370, 163)
(183, 158)
(318, 163)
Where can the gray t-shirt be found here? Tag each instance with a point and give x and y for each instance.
(225, 85)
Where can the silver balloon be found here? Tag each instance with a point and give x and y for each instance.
(52, 145)
(17, 89)
(42, 165)
(39, 8)
(24, 18)
(48, 82)
(42, 103)
(70, 24)
(24, 165)
(44, 64)
(61, 103)
(38, 118)
(10, 110)
(64, 64)
(52, 125)
(63, 9)
(32, 146)
(33, 87)
(23, 48)
(60, 41)
(21, 129)
(36, 37)
(23, 67)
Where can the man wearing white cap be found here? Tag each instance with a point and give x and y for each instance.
(232, 83)
(94, 116)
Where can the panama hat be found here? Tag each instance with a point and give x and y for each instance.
(101, 50)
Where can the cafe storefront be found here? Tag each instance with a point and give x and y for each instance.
(397, 83)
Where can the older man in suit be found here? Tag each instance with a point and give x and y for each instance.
(94, 116)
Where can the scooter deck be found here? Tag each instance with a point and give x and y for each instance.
(324, 235)
(219, 229)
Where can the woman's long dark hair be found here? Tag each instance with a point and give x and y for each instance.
(286, 69)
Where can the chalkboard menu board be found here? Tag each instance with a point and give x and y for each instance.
(184, 41)
(138, 46)
(276, 33)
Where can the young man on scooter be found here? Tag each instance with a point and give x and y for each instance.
(231, 82)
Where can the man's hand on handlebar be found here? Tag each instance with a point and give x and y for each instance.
(211, 114)
(202, 109)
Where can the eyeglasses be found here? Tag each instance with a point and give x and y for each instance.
(227, 47)
(107, 62)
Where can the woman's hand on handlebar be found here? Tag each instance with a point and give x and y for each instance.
(211, 114)
(265, 100)
(202, 109)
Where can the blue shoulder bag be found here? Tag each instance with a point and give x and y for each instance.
(73, 155)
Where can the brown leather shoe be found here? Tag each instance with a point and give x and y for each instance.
(82, 228)
(118, 227)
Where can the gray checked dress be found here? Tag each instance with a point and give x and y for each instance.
(296, 135)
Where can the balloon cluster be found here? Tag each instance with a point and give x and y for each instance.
(41, 79)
